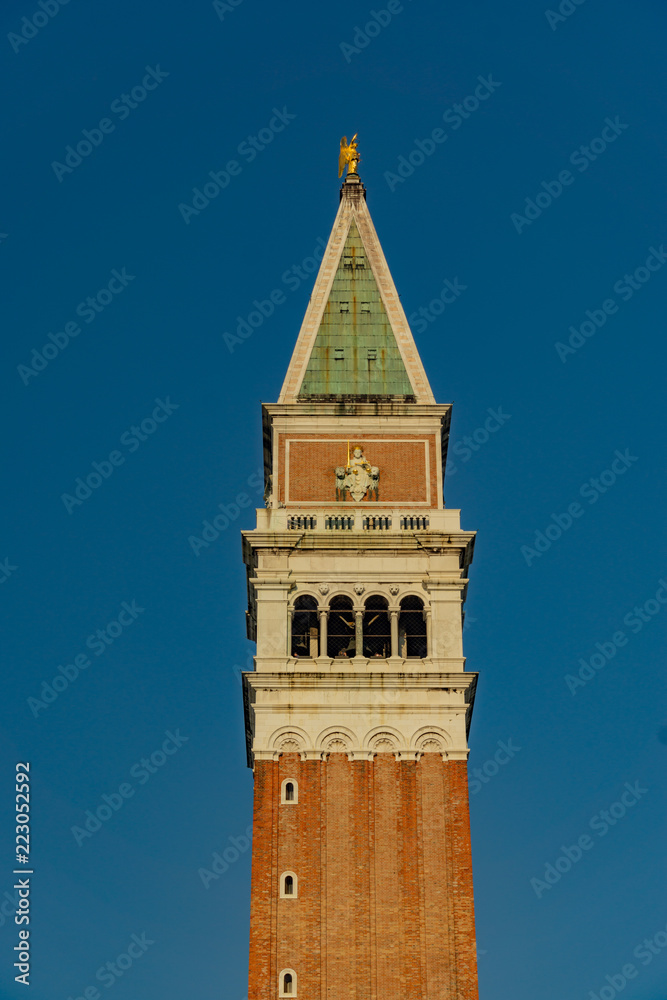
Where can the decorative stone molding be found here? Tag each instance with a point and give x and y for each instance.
(324, 589)
(338, 744)
(394, 589)
(432, 744)
(288, 740)
(385, 740)
(431, 740)
(336, 740)
(384, 743)
(290, 745)
(359, 588)
(406, 742)
(360, 755)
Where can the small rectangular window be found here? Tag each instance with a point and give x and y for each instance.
(365, 307)
(345, 307)
(372, 354)
(339, 354)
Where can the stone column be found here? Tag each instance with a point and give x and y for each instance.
(394, 633)
(324, 619)
(290, 613)
(359, 633)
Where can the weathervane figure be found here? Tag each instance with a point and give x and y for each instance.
(349, 155)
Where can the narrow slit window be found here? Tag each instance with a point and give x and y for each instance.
(287, 983)
(289, 792)
(289, 885)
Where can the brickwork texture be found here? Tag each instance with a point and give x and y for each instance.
(384, 907)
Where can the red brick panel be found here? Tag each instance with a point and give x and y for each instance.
(435, 851)
(361, 834)
(388, 918)
(340, 887)
(462, 886)
(262, 931)
(401, 460)
(411, 888)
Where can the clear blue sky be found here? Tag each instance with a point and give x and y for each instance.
(593, 79)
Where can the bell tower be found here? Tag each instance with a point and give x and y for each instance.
(358, 709)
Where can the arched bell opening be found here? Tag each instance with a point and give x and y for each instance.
(377, 628)
(412, 628)
(341, 632)
(305, 628)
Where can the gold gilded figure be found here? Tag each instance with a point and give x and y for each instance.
(349, 154)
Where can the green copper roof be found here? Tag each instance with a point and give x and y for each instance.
(355, 351)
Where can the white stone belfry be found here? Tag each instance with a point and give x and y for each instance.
(356, 591)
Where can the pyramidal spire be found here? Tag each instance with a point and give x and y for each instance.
(355, 342)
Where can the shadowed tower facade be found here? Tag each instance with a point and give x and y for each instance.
(359, 706)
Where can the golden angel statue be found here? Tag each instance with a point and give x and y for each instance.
(349, 155)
